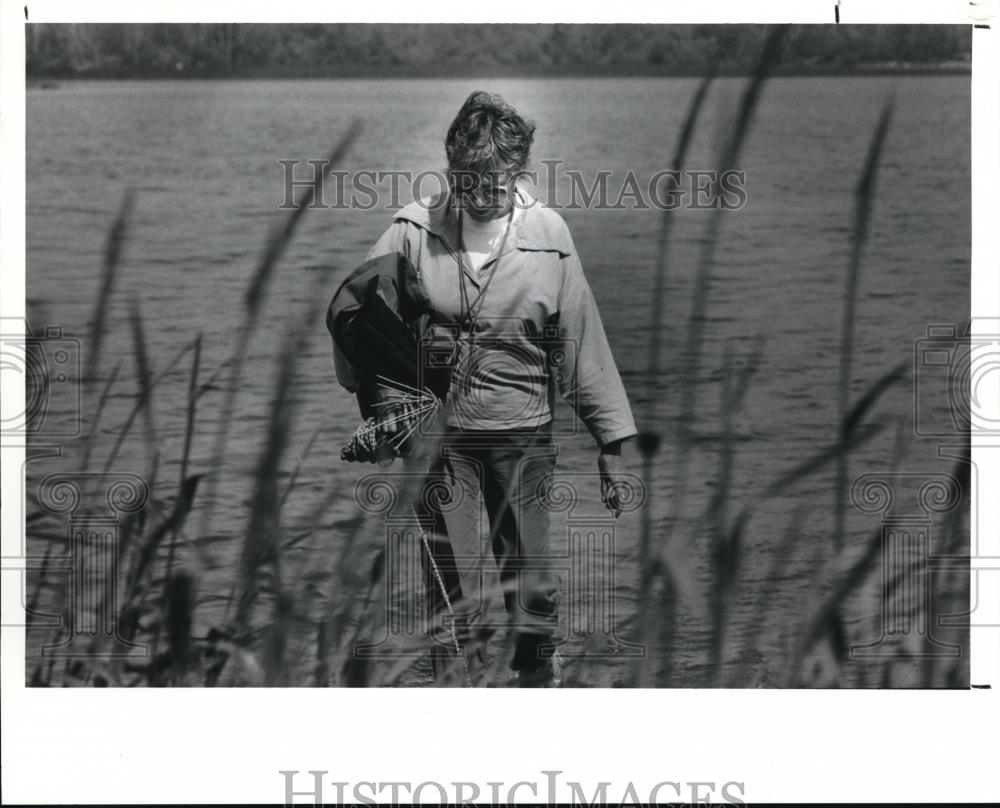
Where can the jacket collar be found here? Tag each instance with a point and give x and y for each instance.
(537, 228)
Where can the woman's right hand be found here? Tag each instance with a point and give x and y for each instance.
(390, 421)
(395, 422)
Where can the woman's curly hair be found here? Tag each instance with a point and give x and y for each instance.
(488, 137)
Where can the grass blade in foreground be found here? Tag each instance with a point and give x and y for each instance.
(863, 194)
(276, 245)
(650, 564)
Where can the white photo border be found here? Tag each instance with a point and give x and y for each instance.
(185, 746)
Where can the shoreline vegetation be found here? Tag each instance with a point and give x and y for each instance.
(252, 51)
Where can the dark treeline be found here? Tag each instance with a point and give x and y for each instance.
(258, 50)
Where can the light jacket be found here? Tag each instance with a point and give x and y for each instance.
(537, 327)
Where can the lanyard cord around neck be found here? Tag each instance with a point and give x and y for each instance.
(472, 309)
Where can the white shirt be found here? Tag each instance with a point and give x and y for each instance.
(481, 239)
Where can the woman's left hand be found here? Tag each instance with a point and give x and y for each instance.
(615, 488)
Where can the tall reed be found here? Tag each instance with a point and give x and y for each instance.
(652, 564)
(277, 243)
(864, 194)
(680, 444)
(113, 249)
